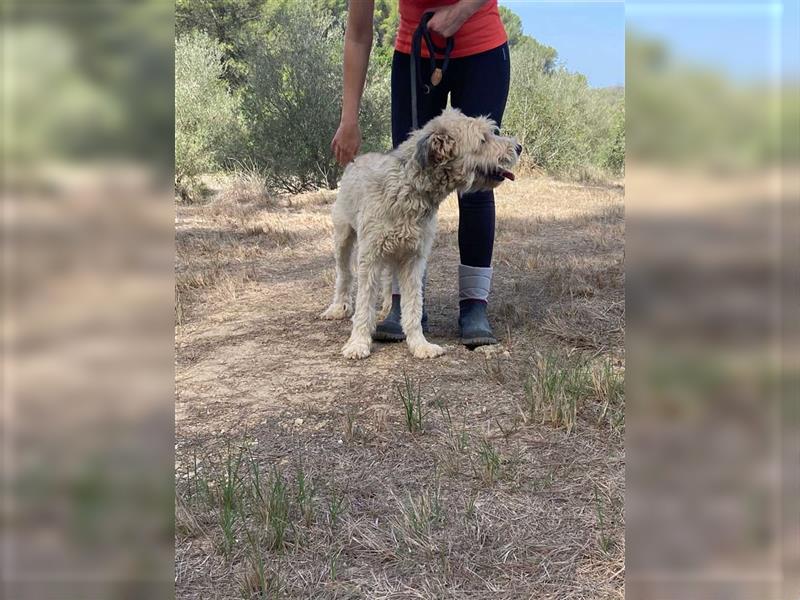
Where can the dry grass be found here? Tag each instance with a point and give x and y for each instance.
(480, 474)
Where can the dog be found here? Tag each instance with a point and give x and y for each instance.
(386, 206)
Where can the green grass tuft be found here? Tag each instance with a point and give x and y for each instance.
(489, 459)
(412, 404)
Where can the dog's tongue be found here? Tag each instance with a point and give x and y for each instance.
(507, 174)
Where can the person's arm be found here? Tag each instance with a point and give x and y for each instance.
(449, 19)
(357, 46)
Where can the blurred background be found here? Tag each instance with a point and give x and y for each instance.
(87, 200)
(711, 208)
(712, 180)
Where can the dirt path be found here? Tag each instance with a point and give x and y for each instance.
(493, 498)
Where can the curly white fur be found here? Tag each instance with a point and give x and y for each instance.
(387, 205)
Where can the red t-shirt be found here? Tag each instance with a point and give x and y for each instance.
(481, 32)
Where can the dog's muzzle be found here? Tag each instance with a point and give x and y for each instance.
(498, 174)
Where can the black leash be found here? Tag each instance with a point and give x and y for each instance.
(420, 34)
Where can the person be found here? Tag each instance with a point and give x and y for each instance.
(476, 81)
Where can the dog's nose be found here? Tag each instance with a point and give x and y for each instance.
(518, 149)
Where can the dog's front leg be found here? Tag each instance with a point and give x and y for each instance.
(360, 343)
(410, 277)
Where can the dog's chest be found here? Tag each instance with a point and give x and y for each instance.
(407, 237)
(399, 224)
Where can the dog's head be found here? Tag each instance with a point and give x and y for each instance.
(468, 152)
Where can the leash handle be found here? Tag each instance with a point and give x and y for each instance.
(422, 33)
(449, 42)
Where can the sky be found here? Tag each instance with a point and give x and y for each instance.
(746, 40)
(749, 40)
(589, 36)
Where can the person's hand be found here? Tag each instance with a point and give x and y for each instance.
(346, 142)
(447, 20)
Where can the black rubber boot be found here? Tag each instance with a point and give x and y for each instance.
(391, 329)
(473, 324)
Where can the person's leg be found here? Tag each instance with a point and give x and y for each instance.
(429, 105)
(479, 87)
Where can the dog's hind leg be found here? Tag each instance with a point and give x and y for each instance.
(344, 240)
(410, 276)
(360, 343)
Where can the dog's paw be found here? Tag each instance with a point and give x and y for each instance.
(357, 349)
(337, 311)
(427, 350)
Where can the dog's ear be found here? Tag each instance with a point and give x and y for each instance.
(435, 148)
(442, 148)
(422, 150)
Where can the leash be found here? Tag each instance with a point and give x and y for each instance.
(437, 73)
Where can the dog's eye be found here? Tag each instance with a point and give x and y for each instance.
(483, 140)
(497, 131)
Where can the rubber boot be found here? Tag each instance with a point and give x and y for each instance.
(390, 329)
(473, 324)
(474, 284)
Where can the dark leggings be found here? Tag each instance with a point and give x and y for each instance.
(478, 85)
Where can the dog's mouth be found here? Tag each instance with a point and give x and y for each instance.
(498, 174)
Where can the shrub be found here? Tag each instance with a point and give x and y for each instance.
(284, 61)
(205, 112)
(292, 98)
(613, 157)
(564, 125)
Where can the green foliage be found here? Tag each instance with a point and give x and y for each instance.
(387, 18)
(546, 57)
(205, 113)
(563, 124)
(412, 404)
(277, 511)
(555, 388)
(291, 100)
(558, 386)
(87, 81)
(608, 388)
(290, 97)
(789, 122)
(85, 110)
(225, 21)
(513, 26)
(306, 492)
(419, 515)
(613, 154)
(489, 458)
(686, 114)
(336, 507)
(282, 61)
(228, 500)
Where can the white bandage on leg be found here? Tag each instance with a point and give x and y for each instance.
(474, 283)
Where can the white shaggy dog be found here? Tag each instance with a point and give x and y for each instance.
(388, 204)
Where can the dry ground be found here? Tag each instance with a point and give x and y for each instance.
(303, 475)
